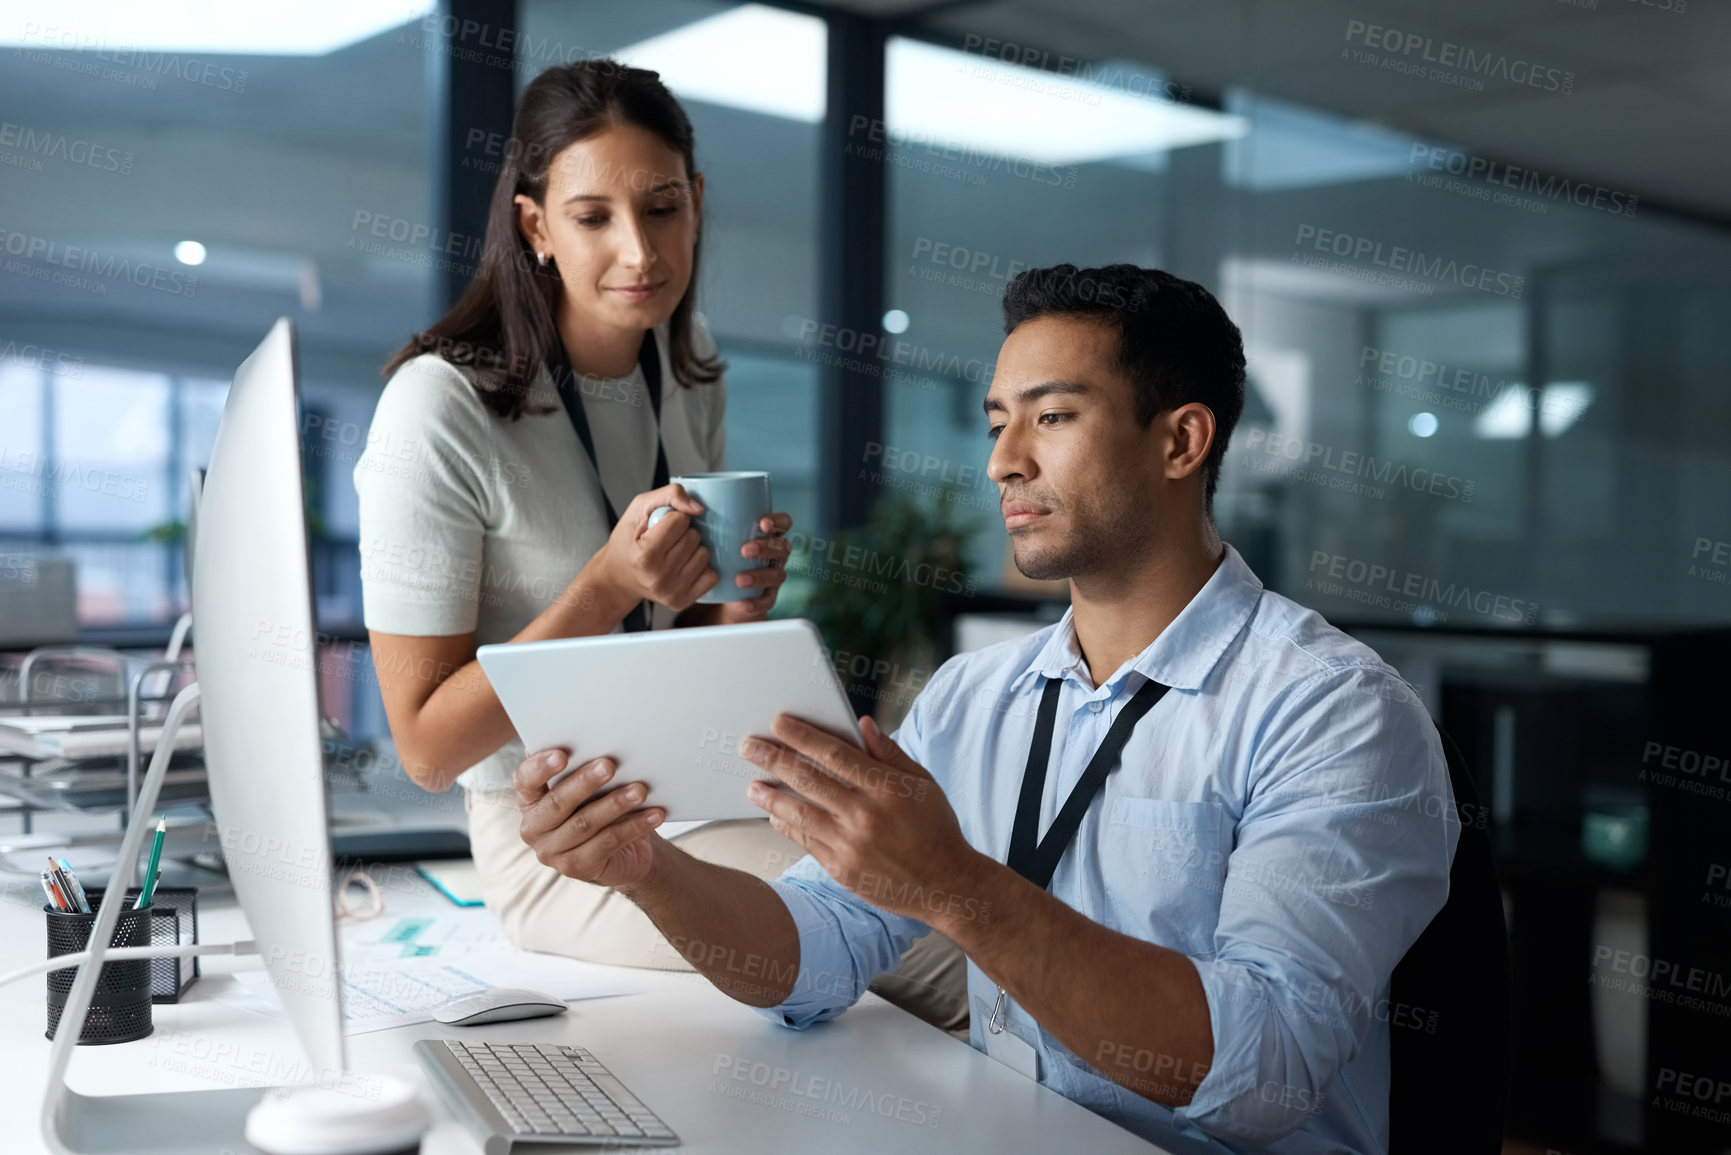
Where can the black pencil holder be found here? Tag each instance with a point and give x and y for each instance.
(173, 919)
(120, 1005)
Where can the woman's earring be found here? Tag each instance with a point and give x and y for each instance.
(542, 257)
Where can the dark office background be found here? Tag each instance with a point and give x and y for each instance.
(1480, 252)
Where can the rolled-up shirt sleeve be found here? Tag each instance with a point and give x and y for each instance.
(1341, 861)
(844, 941)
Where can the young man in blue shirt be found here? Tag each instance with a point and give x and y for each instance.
(1183, 836)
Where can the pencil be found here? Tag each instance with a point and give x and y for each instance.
(148, 891)
(54, 890)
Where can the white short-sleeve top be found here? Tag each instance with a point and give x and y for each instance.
(473, 523)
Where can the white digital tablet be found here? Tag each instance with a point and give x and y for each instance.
(672, 706)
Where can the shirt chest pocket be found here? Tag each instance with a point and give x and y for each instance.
(1165, 867)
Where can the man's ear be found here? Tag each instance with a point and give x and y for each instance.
(1190, 436)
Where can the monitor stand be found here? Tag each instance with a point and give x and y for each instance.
(167, 1123)
(192, 1122)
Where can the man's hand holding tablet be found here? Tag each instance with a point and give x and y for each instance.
(603, 840)
(876, 821)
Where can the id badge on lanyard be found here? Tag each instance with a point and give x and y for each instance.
(1010, 1050)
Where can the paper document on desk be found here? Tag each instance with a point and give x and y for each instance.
(378, 997)
(443, 935)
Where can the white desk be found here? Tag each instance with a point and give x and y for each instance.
(676, 1047)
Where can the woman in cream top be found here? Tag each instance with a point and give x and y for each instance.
(484, 519)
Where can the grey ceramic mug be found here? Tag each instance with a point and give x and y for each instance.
(733, 505)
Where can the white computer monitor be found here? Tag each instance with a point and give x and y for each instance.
(257, 673)
(258, 691)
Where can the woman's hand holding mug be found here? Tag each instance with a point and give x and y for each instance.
(665, 562)
(745, 540)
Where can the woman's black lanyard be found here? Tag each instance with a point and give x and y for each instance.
(565, 381)
(1038, 861)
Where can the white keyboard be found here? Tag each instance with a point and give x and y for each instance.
(511, 1093)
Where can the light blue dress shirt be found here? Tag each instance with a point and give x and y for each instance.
(1283, 817)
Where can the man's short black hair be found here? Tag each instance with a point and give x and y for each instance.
(1175, 342)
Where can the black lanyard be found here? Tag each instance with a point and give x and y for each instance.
(1037, 863)
(565, 381)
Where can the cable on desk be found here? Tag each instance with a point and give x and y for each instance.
(120, 954)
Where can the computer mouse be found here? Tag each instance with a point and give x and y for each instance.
(500, 1005)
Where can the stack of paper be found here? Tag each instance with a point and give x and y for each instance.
(85, 736)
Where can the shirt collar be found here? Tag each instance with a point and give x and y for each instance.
(1186, 651)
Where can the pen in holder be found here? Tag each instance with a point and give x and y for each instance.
(120, 1006)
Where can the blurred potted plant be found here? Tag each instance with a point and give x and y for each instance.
(873, 592)
(170, 532)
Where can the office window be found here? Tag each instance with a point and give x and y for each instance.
(772, 409)
(1501, 398)
(112, 435)
(20, 446)
(1630, 439)
(171, 188)
(201, 401)
(1502, 443)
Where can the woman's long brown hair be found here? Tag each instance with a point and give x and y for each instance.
(504, 322)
